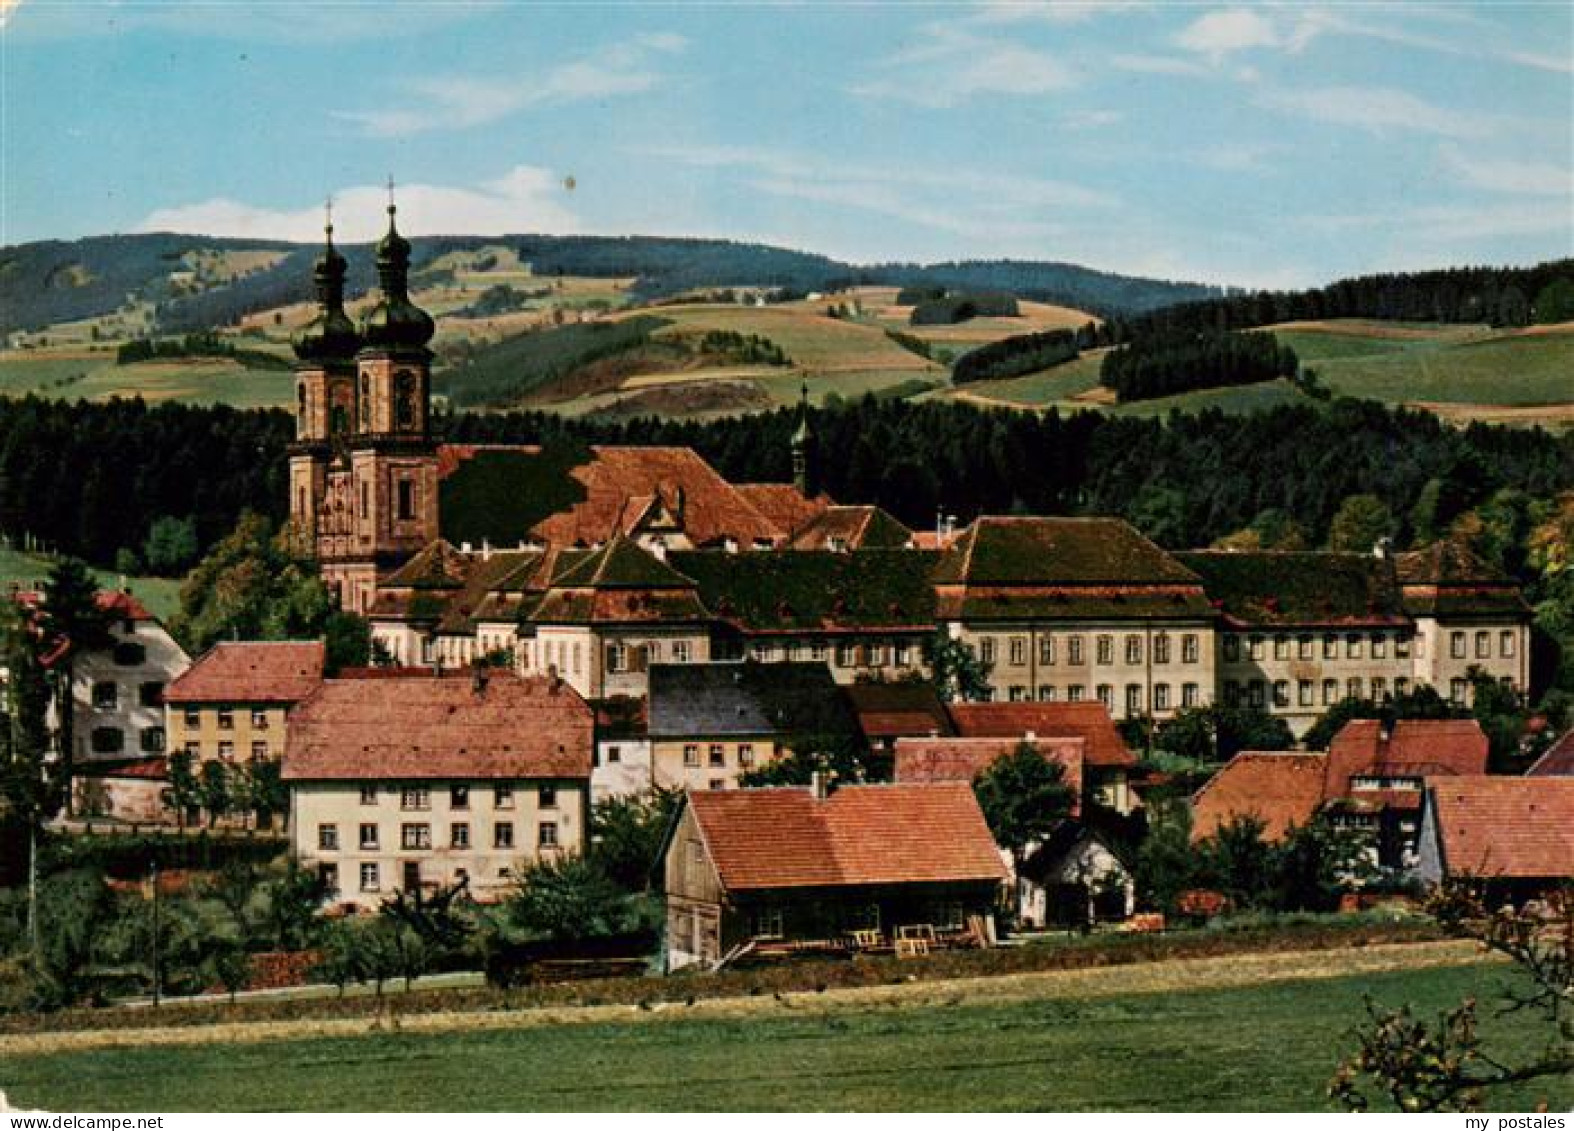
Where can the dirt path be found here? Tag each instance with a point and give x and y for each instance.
(1155, 977)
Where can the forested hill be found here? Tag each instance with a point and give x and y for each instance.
(1497, 296)
(50, 282)
(92, 478)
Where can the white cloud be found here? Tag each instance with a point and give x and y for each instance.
(461, 102)
(1381, 110)
(1224, 32)
(1053, 11)
(952, 66)
(1500, 174)
(525, 199)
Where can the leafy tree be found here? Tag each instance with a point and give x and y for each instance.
(228, 963)
(1315, 864)
(1216, 733)
(1024, 796)
(289, 915)
(837, 757)
(1502, 716)
(1446, 1065)
(1359, 524)
(959, 674)
(1555, 301)
(1238, 861)
(32, 788)
(570, 900)
(1165, 864)
(171, 545)
(184, 792)
(441, 920)
(214, 790)
(626, 835)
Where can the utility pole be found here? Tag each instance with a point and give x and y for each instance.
(32, 888)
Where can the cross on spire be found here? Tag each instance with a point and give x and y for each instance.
(392, 207)
(327, 207)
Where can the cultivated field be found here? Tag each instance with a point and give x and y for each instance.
(1258, 1032)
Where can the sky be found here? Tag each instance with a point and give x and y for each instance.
(1253, 145)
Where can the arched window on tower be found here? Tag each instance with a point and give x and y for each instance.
(300, 410)
(338, 420)
(364, 404)
(406, 396)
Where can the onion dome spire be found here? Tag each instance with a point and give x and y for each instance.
(331, 336)
(395, 320)
(805, 451)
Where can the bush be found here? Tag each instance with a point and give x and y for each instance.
(1012, 357)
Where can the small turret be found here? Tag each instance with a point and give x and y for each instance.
(805, 451)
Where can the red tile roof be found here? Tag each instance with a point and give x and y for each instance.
(852, 528)
(963, 759)
(763, 839)
(1414, 748)
(251, 672)
(1090, 721)
(1558, 761)
(1278, 789)
(1503, 827)
(783, 503)
(431, 727)
(713, 509)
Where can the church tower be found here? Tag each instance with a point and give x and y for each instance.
(378, 502)
(324, 394)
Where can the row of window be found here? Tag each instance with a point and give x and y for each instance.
(1350, 645)
(1049, 649)
(638, 657)
(717, 754)
(226, 718)
(415, 798)
(1457, 644)
(1163, 695)
(371, 876)
(418, 836)
(112, 740)
(1256, 693)
(259, 749)
(106, 694)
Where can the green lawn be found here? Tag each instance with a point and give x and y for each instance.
(1270, 1047)
(97, 377)
(160, 595)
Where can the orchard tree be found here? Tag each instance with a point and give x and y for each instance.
(1024, 796)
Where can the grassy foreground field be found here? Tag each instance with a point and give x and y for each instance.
(1084, 1040)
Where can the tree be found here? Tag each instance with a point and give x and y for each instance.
(570, 900)
(1237, 861)
(73, 622)
(1165, 864)
(1024, 796)
(1359, 524)
(1315, 864)
(959, 674)
(1217, 733)
(840, 758)
(214, 790)
(183, 793)
(32, 788)
(171, 545)
(1445, 1065)
(626, 835)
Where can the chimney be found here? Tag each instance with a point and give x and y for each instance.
(1382, 548)
(486, 549)
(478, 680)
(1030, 737)
(820, 785)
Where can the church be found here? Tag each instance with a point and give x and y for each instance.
(594, 563)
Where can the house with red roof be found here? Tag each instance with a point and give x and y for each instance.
(1515, 835)
(413, 781)
(118, 690)
(796, 867)
(233, 703)
(1372, 779)
(1107, 763)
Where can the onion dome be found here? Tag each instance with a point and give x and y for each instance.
(331, 336)
(395, 321)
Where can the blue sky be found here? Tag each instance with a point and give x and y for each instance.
(1250, 144)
